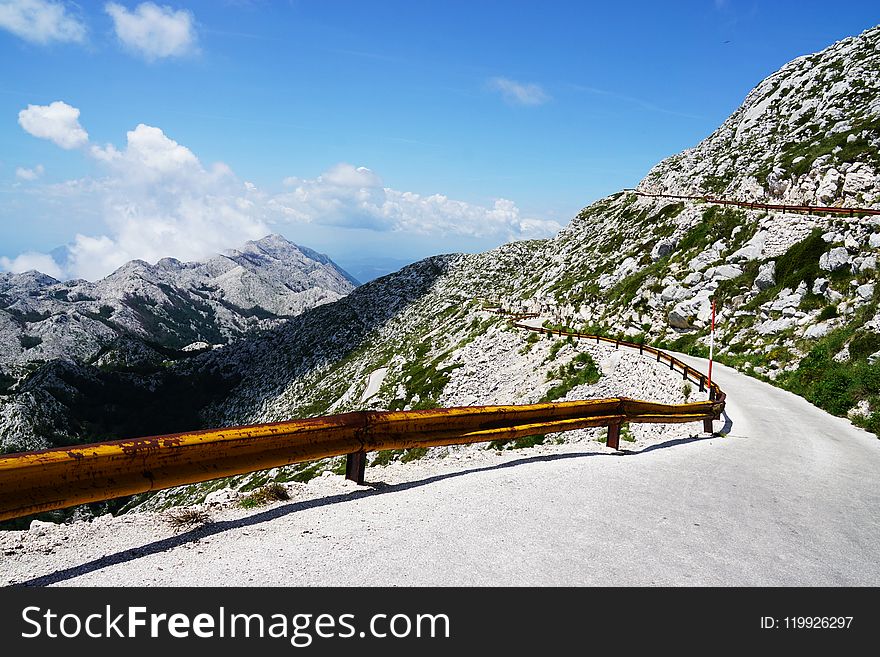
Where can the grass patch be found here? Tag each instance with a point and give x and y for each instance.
(838, 387)
(522, 442)
(413, 454)
(859, 150)
(273, 492)
(187, 518)
(531, 339)
(718, 223)
(386, 456)
(580, 370)
(828, 312)
(424, 379)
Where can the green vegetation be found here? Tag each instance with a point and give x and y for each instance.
(557, 346)
(181, 321)
(423, 379)
(386, 456)
(716, 184)
(686, 344)
(687, 390)
(580, 370)
(30, 316)
(522, 442)
(413, 454)
(718, 223)
(625, 290)
(800, 262)
(531, 339)
(839, 386)
(860, 149)
(6, 382)
(29, 341)
(828, 312)
(273, 492)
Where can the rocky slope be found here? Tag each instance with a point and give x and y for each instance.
(797, 303)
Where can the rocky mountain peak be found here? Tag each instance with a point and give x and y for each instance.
(169, 305)
(807, 134)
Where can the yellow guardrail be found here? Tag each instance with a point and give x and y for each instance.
(44, 480)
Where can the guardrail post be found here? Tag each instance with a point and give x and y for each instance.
(702, 383)
(355, 464)
(707, 426)
(658, 355)
(613, 439)
(641, 349)
(707, 423)
(685, 372)
(617, 344)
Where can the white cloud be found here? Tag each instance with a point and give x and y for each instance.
(41, 21)
(58, 122)
(23, 173)
(519, 93)
(157, 199)
(152, 31)
(42, 262)
(355, 198)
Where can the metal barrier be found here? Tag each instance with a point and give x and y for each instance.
(752, 205)
(50, 479)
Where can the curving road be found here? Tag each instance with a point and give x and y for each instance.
(788, 497)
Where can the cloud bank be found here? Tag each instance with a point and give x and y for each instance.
(158, 199)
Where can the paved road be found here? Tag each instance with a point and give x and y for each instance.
(789, 497)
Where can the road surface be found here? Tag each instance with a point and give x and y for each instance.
(789, 496)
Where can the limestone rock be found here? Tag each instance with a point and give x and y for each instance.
(834, 260)
(677, 320)
(662, 249)
(865, 292)
(766, 277)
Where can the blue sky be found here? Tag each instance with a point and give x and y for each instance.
(373, 131)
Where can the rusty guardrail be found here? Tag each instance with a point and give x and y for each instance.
(44, 480)
(688, 372)
(753, 205)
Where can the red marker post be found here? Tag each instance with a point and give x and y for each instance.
(711, 347)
